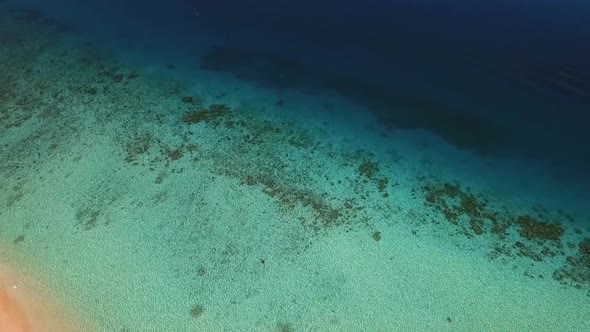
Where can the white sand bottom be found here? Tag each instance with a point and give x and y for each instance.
(146, 265)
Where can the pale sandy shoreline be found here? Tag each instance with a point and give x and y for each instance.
(29, 303)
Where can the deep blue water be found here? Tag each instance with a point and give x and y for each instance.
(501, 77)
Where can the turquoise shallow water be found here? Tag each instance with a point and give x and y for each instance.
(233, 186)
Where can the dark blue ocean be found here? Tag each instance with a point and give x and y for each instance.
(494, 78)
(252, 165)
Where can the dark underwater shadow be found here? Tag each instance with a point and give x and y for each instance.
(37, 16)
(465, 130)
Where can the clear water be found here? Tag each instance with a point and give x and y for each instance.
(299, 166)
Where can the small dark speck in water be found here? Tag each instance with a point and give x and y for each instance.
(19, 239)
(377, 236)
(197, 311)
(285, 327)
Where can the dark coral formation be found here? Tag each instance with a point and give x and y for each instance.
(540, 239)
(207, 115)
(328, 216)
(258, 152)
(138, 146)
(476, 226)
(368, 168)
(534, 229)
(457, 205)
(174, 154)
(369, 171)
(576, 271)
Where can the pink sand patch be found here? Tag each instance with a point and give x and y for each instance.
(27, 305)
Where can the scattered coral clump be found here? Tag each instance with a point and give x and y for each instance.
(455, 204)
(540, 240)
(368, 168)
(206, 115)
(534, 229)
(576, 271)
